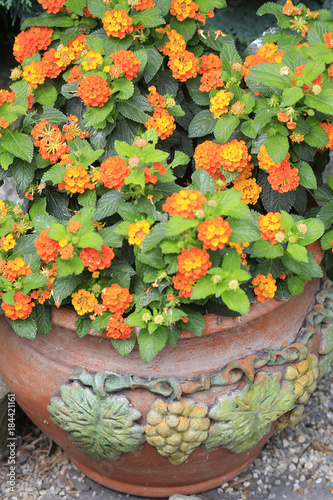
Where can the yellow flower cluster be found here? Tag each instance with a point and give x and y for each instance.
(137, 232)
(220, 102)
(249, 188)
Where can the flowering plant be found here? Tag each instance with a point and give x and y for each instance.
(114, 98)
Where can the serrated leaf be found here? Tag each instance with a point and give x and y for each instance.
(124, 346)
(26, 328)
(202, 181)
(265, 78)
(277, 147)
(236, 300)
(83, 326)
(43, 318)
(151, 345)
(224, 127)
(295, 285)
(306, 175)
(55, 174)
(264, 249)
(108, 204)
(202, 124)
(46, 96)
(95, 115)
(149, 18)
(196, 322)
(322, 102)
(199, 97)
(53, 115)
(21, 91)
(177, 225)
(187, 27)
(63, 287)
(297, 252)
(23, 174)
(291, 95)
(112, 44)
(18, 144)
(131, 111)
(155, 60)
(125, 88)
(153, 238)
(49, 20)
(274, 201)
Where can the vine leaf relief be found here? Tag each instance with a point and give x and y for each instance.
(103, 428)
(246, 417)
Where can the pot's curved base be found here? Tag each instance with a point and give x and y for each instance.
(160, 491)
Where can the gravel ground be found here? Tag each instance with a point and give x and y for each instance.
(296, 463)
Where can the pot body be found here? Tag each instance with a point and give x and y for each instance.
(195, 416)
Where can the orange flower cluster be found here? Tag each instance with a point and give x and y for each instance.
(94, 91)
(66, 252)
(40, 296)
(7, 242)
(175, 45)
(137, 232)
(183, 284)
(266, 162)
(270, 226)
(249, 189)
(328, 39)
(184, 203)
(296, 137)
(127, 62)
(117, 23)
(184, 65)
(184, 9)
(72, 129)
(210, 69)
(50, 141)
(97, 259)
(118, 329)
(265, 287)
(46, 248)
(328, 127)
(75, 74)
(149, 171)
(207, 156)
(193, 263)
(114, 172)
(144, 4)
(290, 10)
(268, 52)
(76, 180)
(84, 302)
(239, 247)
(50, 66)
(234, 156)
(21, 309)
(77, 45)
(284, 178)
(214, 233)
(34, 73)
(52, 6)
(219, 103)
(91, 60)
(116, 299)
(74, 226)
(161, 121)
(15, 268)
(7, 96)
(27, 43)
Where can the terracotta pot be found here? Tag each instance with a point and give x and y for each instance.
(212, 402)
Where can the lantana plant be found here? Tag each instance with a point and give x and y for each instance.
(163, 176)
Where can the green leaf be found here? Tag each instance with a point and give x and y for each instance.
(38, 207)
(274, 201)
(125, 88)
(202, 181)
(130, 110)
(203, 288)
(155, 60)
(69, 267)
(95, 42)
(199, 97)
(248, 129)
(151, 345)
(57, 232)
(187, 27)
(244, 230)
(55, 174)
(43, 222)
(32, 282)
(265, 78)
(49, 20)
(23, 174)
(317, 137)
(291, 95)
(297, 252)
(43, 318)
(26, 328)
(83, 326)
(70, 90)
(95, 115)
(224, 127)
(124, 346)
(6, 159)
(97, 8)
(236, 300)
(277, 146)
(153, 258)
(177, 225)
(264, 249)
(149, 18)
(88, 198)
(325, 214)
(180, 158)
(18, 144)
(315, 229)
(21, 90)
(153, 238)
(110, 238)
(202, 124)
(306, 175)
(46, 96)
(53, 115)
(322, 102)
(295, 285)
(63, 287)
(91, 240)
(108, 204)
(196, 322)
(112, 44)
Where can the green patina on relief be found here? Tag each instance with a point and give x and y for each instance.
(246, 417)
(325, 363)
(101, 427)
(176, 429)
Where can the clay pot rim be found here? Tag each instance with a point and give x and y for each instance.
(65, 317)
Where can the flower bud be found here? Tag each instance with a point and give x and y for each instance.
(302, 228)
(284, 70)
(146, 317)
(200, 214)
(316, 89)
(158, 320)
(233, 285)
(212, 203)
(280, 237)
(217, 279)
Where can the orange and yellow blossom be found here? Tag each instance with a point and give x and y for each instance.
(270, 225)
(117, 23)
(193, 263)
(265, 287)
(137, 232)
(46, 248)
(116, 299)
(117, 328)
(207, 156)
(249, 189)
(234, 156)
(114, 171)
(184, 203)
(21, 309)
(184, 65)
(97, 259)
(83, 302)
(94, 91)
(214, 233)
(16, 268)
(219, 103)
